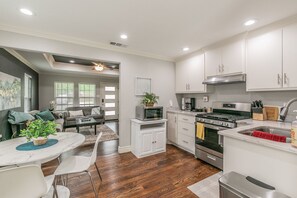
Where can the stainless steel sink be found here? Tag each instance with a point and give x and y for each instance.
(271, 130)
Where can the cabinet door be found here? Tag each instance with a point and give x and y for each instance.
(264, 61)
(233, 57)
(196, 73)
(159, 139)
(290, 56)
(181, 76)
(212, 62)
(172, 127)
(146, 143)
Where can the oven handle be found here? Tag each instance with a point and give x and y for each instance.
(214, 127)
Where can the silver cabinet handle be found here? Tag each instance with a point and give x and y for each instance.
(223, 68)
(189, 86)
(285, 78)
(278, 79)
(185, 129)
(185, 142)
(220, 69)
(154, 142)
(185, 119)
(211, 157)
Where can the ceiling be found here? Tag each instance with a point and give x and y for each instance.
(157, 27)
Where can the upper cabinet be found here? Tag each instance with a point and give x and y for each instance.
(190, 75)
(290, 57)
(264, 61)
(227, 59)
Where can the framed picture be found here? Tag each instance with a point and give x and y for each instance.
(142, 85)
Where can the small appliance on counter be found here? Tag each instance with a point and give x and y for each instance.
(188, 104)
(149, 113)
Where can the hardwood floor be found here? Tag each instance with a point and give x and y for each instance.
(163, 175)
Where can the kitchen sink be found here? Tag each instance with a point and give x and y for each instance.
(271, 130)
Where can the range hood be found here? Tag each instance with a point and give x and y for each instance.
(228, 79)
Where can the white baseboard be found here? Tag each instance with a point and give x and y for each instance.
(124, 149)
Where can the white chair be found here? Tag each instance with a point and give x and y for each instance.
(79, 164)
(28, 182)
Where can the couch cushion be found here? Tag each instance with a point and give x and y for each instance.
(95, 111)
(45, 116)
(17, 117)
(76, 113)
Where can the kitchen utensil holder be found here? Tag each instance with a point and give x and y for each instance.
(259, 114)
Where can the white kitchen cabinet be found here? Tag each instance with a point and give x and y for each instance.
(190, 75)
(264, 61)
(226, 59)
(148, 137)
(186, 132)
(172, 127)
(290, 56)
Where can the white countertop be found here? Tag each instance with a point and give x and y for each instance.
(148, 121)
(249, 124)
(184, 112)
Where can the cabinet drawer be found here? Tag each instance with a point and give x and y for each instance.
(186, 142)
(186, 118)
(186, 129)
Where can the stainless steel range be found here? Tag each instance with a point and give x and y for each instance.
(224, 116)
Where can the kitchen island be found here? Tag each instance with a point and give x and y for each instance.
(271, 162)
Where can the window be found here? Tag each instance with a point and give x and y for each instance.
(87, 94)
(64, 93)
(28, 93)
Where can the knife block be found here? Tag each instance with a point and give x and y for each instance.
(259, 114)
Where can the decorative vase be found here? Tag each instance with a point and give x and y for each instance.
(39, 141)
(149, 104)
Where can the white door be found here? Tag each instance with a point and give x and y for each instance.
(196, 73)
(290, 56)
(172, 127)
(233, 57)
(159, 141)
(212, 62)
(146, 143)
(181, 77)
(264, 61)
(109, 97)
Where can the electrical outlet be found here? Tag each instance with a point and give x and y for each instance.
(205, 98)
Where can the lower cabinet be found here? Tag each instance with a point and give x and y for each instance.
(148, 137)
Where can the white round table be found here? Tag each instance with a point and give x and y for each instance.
(10, 156)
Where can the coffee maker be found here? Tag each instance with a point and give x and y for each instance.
(188, 104)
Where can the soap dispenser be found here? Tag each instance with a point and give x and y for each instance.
(294, 132)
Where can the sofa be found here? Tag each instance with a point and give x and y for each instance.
(87, 112)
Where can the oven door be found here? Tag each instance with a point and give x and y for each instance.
(212, 140)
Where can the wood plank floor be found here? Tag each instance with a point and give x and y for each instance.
(163, 175)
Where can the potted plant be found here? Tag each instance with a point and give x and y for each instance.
(38, 131)
(149, 99)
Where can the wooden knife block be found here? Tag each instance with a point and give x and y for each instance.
(260, 116)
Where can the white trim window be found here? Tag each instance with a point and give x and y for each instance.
(87, 94)
(28, 93)
(64, 94)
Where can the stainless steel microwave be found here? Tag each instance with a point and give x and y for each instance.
(149, 113)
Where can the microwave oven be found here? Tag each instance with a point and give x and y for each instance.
(149, 113)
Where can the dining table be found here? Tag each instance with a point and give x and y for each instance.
(9, 155)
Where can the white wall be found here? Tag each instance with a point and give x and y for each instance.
(46, 86)
(161, 72)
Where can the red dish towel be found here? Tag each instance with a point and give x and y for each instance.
(268, 136)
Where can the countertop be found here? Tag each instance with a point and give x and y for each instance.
(249, 124)
(148, 121)
(184, 112)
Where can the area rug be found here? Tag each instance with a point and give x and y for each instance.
(89, 133)
(207, 188)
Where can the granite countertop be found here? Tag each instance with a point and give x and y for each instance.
(184, 112)
(249, 124)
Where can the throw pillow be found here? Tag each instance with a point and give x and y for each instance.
(95, 111)
(76, 113)
(17, 117)
(45, 116)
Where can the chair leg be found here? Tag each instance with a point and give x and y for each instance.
(98, 171)
(96, 194)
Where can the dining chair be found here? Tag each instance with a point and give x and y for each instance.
(29, 182)
(80, 164)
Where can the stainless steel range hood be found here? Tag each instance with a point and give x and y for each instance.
(228, 79)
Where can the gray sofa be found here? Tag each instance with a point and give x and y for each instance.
(87, 111)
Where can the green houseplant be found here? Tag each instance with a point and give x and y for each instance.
(149, 99)
(38, 131)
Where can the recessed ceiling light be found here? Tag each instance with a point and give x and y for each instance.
(250, 22)
(124, 36)
(26, 11)
(72, 61)
(186, 49)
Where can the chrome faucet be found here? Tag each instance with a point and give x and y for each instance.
(284, 112)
